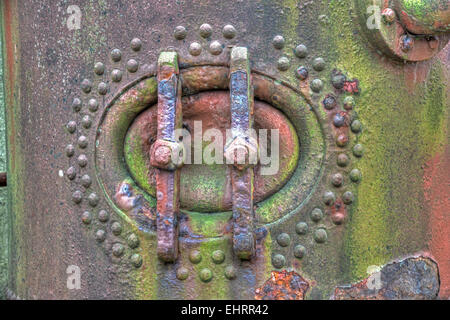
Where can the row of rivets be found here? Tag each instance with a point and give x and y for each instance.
(205, 30)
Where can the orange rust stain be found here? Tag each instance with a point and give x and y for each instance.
(283, 286)
(436, 183)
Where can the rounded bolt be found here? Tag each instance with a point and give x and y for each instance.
(301, 73)
(86, 217)
(102, 88)
(320, 235)
(116, 228)
(283, 239)
(116, 75)
(406, 43)
(132, 65)
(355, 175)
(338, 218)
(338, 120)
(338, 81)
(76, 105)
(299, 251)
(388, 15)
(86, 181)
(329, 102)
(218, 256)
(100, 235)
(319, 64)
(329, 198)
(349, 103)
(93, 105)
(71, 126)
(348, 197)
(136, 44)
(93, 199)
(195, 256)
(229, 31)
(163, 154)
(195, 48)
(278, 261)
(337, 179)
(86, 85)
(205, 275)
(99, 68)
(316, 85)
(182, 273)
(180, 33)
(230, 273)
(70, 150)
(86, 122)
(82, 142)
(342, 140)
(136, 260)
(283, 64)
(205, 30)
(82, 160)
(103, 216)
(301, 51)
(71, 173)
(215, 48)
(278, 42)
(343, 160)
(301, 228)
(116, 55)
(356, 126)
(77, 196)
(133, 241)
(316, 215)
(118, 249)
(358, 150)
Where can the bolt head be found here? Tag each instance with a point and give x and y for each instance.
(406, 43)
(242, 152)
(388, 15)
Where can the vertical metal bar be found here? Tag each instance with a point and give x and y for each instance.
(168, 180)
(241, 173)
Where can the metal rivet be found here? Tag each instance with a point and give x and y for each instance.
(230, 272)
(301, 73)
(102, 88)
(338, 81)
(229, 31)
(100, 235)
(82, 160)
(319, 64)
(301, 228)
(195, 256)
(77, 196)
(356, 126)
(99, 68)
(338, 218)
(299, 251)
(86, 181)
(329, 102)
(116, 75)
(278, 42)
(388, 15)
(283, 239)
(71, 126)
(338, 120)
(283, 64)
(349, 103)
(355, 175)
(329, 198)
(136, 44)
(71, 173)
(205, 30)
(320, 235)
(182, 273)
(93, 199)
(116, 55)
(215, 48)
(86, 122)
(316, 215)
(316, 85)
(86, 85)
(301, 51)
(82, 142)
(70, 150)
(343, 160)
(179, 33)
(136, 260)
(76, 105)
(342, 140)
(348, 197)
(93, 105)
(406, 43)
(132, 65)
(218, 256)
(337, 179)
(358, 150)
(278, 261)
(118, 249)
(103, 216)
(133, 241)
(195, 48)
(86, 217)
(205, 275)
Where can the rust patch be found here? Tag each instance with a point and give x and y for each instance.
(283, 285)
